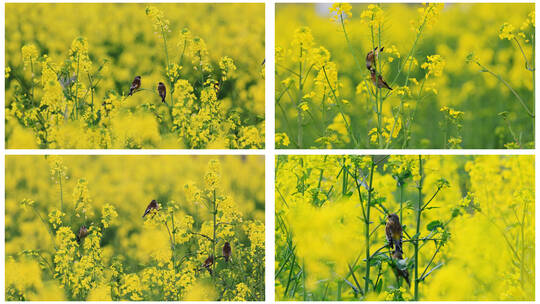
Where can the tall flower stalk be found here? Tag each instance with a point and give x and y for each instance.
(162, 24)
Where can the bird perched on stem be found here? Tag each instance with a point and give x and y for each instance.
(208, 263)
(162, 91)
(371, 57)
(227, 251)
(83, 232)
(394, 233)
(152, 206)
(378, 81)
(135, 85)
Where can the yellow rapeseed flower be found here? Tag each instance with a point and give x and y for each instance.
(507, 31)
(340, 11)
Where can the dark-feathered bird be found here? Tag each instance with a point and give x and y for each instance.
(135, 85)
(227, 251)
(162, 91)
(371, 58)
(378, 81)
(208, 263)
(152, 206)
(401, 272)
(83, 232)
(394, 233)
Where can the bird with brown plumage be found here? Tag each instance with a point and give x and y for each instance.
(208, 263)
(135, 85)
(227, 251)
(378, 81)
(152, 206)
(83, 232)
(394, 232)
(371, 58)
(404, 273)
(162, 90)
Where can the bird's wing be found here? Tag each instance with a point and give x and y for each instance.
(389, 235)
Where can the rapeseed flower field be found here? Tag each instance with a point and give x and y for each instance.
(397, 75)
(467, 228)
(75, 230)
(71, 75)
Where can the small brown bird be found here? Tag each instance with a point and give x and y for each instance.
(152, 206)
(401, 272)
(83, 232)
(208, 263)
(379, 81)
(135, 85)
(371, 58)
(162, 91)
(394, 233)
(227, 251)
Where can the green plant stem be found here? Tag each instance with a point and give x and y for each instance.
(486, 70)
(298, 109)
(344, 177)
(51, 269)
(407, 129)
(359, 188)
(409, 55)
(214, 214)
(349, 43)
(522, 228)
(91, 89)
(173, 239)
(445, 132)
(32, 68)
(167, 59)
(516, 139)
(392, 130)
(379, 91)
(286, 121)
(183, 52)
(61, 193)
(304, 281)
(290, 275)
(401, 201)
(339, 108)
(417, 235)
(77, 89)
(323, 103)
(527, 65)
(351, 48)
(368, 259)
(47, 226)
(172, 245)
(430, 262)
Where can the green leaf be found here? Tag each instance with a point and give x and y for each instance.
(378, 288)
(401, 264)
(381, 257)
(434, 225)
